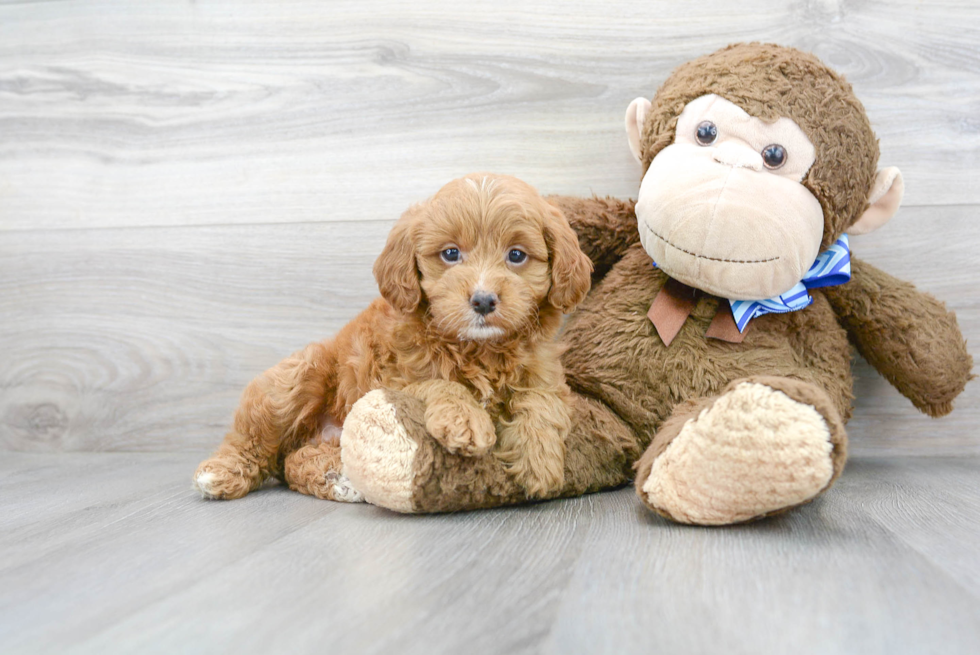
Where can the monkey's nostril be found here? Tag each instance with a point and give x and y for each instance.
(483, 303)
(738, 156)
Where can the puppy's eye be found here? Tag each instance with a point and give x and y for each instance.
(516, 256)
(450, 255)
(706, 133)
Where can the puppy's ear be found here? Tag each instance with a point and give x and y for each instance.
(396, 270)
(571, 270)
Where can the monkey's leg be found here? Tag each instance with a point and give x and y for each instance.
(280, 411)
(391, 459)
(763, 446)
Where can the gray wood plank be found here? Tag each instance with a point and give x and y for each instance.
(884, 563)
(229, 112)
(358, 576)
(135, 336)
(117, 549)
(838, 576)
(931, 505)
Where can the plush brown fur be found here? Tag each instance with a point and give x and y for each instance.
(630, 389)
(908, 336)
(768, 82)
(492, 382)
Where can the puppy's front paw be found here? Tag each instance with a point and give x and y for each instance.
(541, 477)
(460, 428)
(535, 456)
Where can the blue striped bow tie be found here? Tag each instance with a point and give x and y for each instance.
(833, 267)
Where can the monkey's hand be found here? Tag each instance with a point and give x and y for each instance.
(907, 335)
(606, 228)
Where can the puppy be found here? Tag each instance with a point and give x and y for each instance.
(473, 282)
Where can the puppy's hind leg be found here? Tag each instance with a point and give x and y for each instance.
(315, 469)
(280, 410)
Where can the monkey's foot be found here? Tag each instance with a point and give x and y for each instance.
(763, 446)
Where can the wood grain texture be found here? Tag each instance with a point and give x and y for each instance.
(114, 113)
(144, 339)
(839, 576)
(105, 553)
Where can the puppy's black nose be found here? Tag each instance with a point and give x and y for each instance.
(483, 303)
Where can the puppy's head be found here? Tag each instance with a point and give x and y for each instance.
(482, 259)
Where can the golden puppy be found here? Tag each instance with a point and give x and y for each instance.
(473, 282)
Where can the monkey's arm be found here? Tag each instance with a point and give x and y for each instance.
(907, 335)
(606, 228)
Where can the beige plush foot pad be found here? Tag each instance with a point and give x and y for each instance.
(753, 452)
(377, 454)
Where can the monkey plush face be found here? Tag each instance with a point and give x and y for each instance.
(757, 157)
(723, 207)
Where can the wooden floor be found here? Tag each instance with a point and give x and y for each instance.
(112, 553)
(190, 191)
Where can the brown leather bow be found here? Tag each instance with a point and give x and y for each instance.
(674, 303)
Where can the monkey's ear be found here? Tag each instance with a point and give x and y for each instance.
(886, 196)
(636, 116)
(396, 270)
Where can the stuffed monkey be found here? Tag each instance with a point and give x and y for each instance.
(711, 361)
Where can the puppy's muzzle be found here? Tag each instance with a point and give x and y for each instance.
(484, 303)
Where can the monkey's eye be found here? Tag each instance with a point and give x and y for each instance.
(707, 133)
(774, 156)
(450, 255)
(516, 256)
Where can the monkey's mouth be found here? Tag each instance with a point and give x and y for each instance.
(713, 259)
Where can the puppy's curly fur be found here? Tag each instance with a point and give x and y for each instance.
(473, 282)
